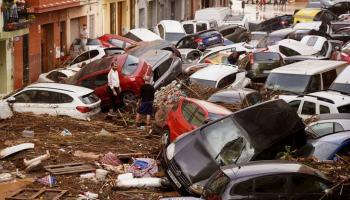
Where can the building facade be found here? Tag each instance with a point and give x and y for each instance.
(118, 16)
(149, 12)
(14, 22)
(57, 24)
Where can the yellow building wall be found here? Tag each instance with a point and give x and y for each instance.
(126, 12)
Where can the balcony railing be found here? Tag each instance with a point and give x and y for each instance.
(15, 15)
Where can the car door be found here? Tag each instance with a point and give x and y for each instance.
(36, 101)
(307, 187)
(65, 105)
(164, 74)
(270, 187)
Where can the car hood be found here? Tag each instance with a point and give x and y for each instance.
(265, 125)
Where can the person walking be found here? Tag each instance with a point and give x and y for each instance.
(145, 102)
(113, 86)
(84, 35)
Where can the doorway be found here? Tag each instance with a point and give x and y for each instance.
(3, 70)
(25, 60)
(47, 49)
(120, 18)
(113, 17)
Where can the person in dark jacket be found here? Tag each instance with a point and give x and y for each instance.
(146, 102)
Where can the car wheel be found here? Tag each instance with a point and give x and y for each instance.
(128, 97)
(166, 137)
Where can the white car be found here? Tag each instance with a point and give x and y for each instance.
(142, 35)
(318, 103)
(54, 99)
(194, 26)
(75, 65)
(190, 55)
(342, 82)
(239, 47)
(328, 124)
(220, 76)
(170, 30)
(213, 13)
(290, 47)
(236, 19)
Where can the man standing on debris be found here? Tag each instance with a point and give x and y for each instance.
(114, 86)
(146, 104)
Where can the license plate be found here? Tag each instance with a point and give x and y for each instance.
(173, 178)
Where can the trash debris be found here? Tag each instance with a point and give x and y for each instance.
(110, 159)
(104, 132)
(39, 158)
(88, 155)
(4, 177)
(127, 180)
(168, 94)
(66, 132)
(6, 111)
(15, 149)
(48, 180)
(34, 194)
(27, 133)
(90, 176)
(88, 196)
(101, 174)
(143, 167)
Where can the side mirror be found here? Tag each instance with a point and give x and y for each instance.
(11, 100)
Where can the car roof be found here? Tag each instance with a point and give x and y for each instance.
(307, 25)
(153, 57)
(297, 46)
(172, 26)
(65, 88)
(210, 107)
(258, 168)
(334, 116)
(338, 98)
(309, 67)
(145, 34)
(214, 72)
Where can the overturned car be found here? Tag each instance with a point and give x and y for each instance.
(259, 132)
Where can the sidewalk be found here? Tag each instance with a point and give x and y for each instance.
(255, 14)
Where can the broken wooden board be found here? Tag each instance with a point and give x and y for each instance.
(69, 168)
(29, 194)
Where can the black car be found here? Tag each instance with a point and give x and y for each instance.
(201, 40)
(258, 132)
(339, 8)
(276, 23)
(272, 180)
(235, 33)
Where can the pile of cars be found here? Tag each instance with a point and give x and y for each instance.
(209, 150)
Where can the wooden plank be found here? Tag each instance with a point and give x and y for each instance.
(37, 195)
(69, 168)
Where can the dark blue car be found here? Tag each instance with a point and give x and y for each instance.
(201, 40)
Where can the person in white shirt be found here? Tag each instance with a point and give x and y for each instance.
(113, 86)
(84, 35)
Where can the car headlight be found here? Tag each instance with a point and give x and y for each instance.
(170, 151)
(197, 189)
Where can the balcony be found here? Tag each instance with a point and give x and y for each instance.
(15, 16)
(42, 6)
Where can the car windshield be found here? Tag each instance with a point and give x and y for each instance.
(288, 82)
(234, 18)
(205, 82)
(225, 142)
(341, 87)
(174, 37)
(130, 65)
(119, 43)
(89, 98)
(265, 56)
(189, 28)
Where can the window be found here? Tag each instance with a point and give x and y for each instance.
(199, 118)
(100, 80)
(56, 76)
(119, 43)
(88, 83)
(294, 105)
(89, 98)
(25, 97)
(243, 188)
(306, 184)
(344, 109)
(165, 66)
(161, 31)
(189, 28)
(270, 184)
(226, 81)
(311, 41)
(288, 52)
(324, 109)
(315, 83)
(324, 49)
(85, 56)
(188, 109)
(43, 96)
(201, 27)
(322, 129)
(309, 108)
(328, 78)
(130, 66)
(63, 98)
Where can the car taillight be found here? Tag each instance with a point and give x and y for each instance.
(83, 109)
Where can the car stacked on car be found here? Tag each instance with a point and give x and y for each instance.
(262, 81)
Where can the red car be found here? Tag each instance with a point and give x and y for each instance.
(131, 73)
(189, 114)
(110, 40)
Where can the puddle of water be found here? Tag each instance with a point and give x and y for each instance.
(8, 188)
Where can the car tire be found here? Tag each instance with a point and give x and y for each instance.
(128, 97)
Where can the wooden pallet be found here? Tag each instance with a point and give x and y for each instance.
(69, 168)
(34, 194)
